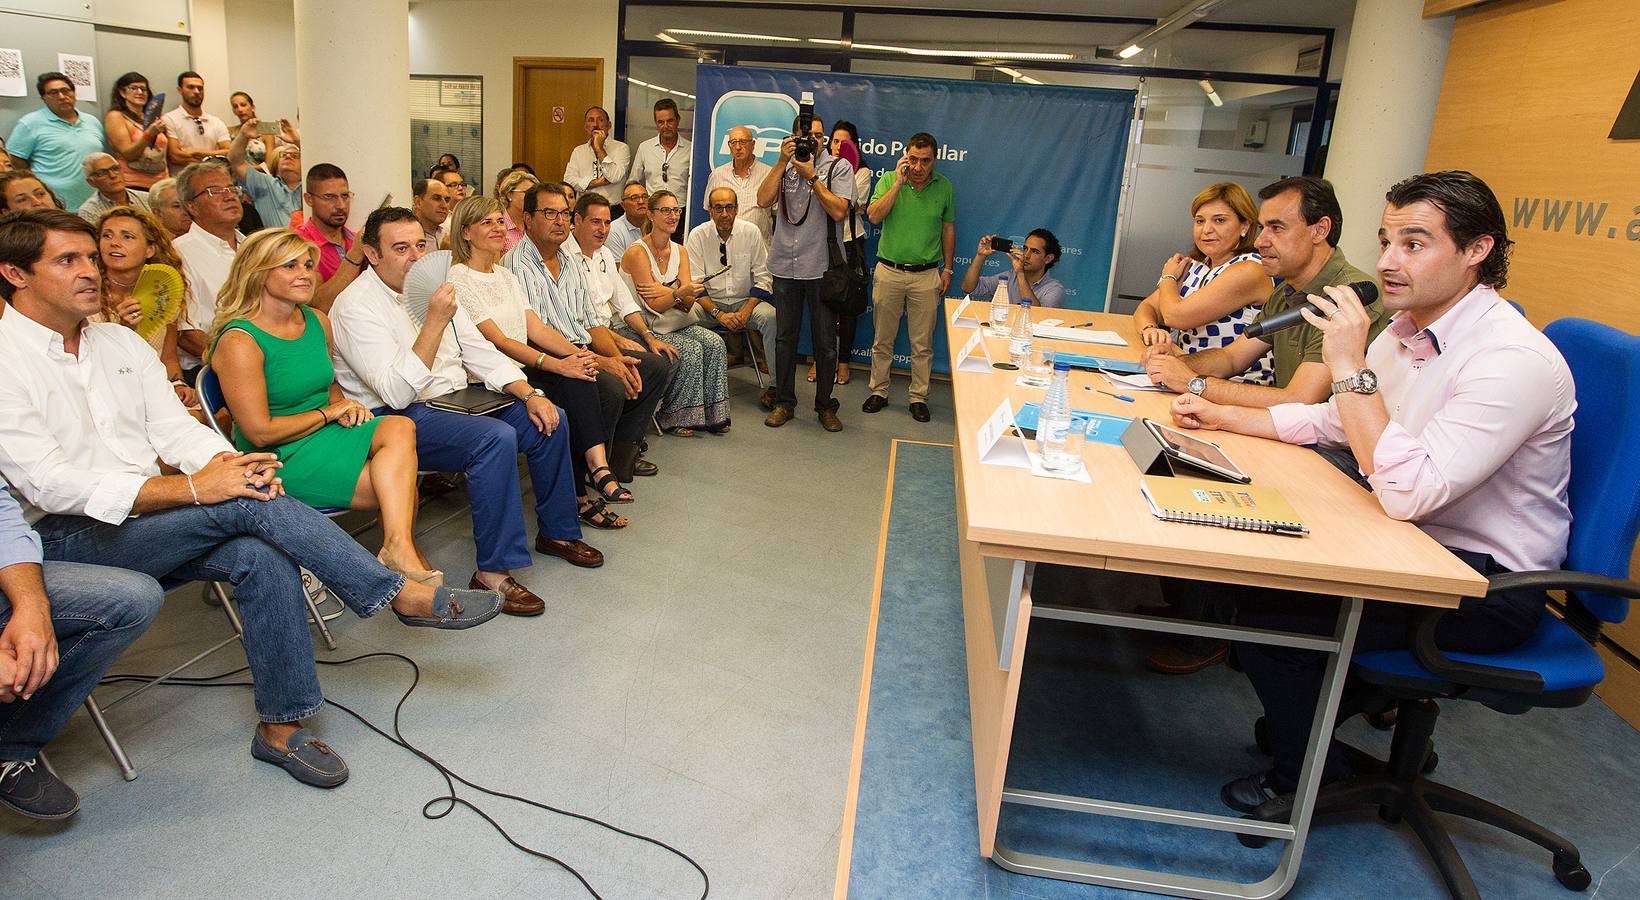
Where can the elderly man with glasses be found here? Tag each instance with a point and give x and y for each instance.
(50, 142)
(742, 174)
(108, 179)
(728, 256)
(215, 204)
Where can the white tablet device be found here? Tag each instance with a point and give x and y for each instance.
(1194, 451)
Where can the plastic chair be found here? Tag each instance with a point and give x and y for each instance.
(212, 401)
(1556, 666)
(745, 336)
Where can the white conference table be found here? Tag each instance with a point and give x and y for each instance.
(1009, 520)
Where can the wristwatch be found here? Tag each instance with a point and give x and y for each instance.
(1362, 382)
(534, 393)
(1196, 385)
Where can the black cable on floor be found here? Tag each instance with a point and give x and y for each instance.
(449, 800)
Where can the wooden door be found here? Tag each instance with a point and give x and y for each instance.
(550, 100)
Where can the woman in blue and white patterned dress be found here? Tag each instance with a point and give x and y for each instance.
(1204, 300)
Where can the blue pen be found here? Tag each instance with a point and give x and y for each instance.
(1123, 397)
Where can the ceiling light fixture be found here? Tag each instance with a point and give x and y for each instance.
(735, 34)
(1212, 95)
(661, 88)
(940, 51)
(1174, 21)
(661, 35)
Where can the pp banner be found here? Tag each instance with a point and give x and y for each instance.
(1019, 156)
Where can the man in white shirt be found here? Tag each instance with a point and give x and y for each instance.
(743, 173)
(213, 202)
(108, 180)
(86, 416)
(1459, 414)
(628, 228)
(727, 253)
(390, 364)
(599, 164)
(662, 162)
(194, 133)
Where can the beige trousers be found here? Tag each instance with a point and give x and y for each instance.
(917, 296)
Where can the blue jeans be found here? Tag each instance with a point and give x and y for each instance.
(96, 612)
(257, 545)
(487, 448)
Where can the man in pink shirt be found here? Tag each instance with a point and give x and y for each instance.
(1460, 417)
(341, 257)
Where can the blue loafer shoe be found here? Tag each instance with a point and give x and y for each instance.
(309, 760)
(456, 609)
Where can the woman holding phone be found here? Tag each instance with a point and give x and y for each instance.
(139, 148)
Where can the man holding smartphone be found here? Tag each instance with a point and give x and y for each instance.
(917, 208)
(1030, 262)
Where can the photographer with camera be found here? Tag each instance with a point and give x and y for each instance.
(918, 211)
(811, 191)
(1028, 272)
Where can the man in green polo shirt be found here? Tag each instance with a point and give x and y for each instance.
(1299, 224)
(918, 212)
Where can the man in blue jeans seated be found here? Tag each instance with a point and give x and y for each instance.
(86, 414)
(388, 362)
(1460, 415)
(61, 626)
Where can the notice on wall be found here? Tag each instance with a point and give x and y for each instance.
(13, 81)
(82, 70)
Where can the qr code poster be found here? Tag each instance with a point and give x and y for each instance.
(82, 70)
(13, 82)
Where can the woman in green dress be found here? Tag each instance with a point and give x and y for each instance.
(271, 353)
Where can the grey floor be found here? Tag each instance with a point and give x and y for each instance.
(700, 688)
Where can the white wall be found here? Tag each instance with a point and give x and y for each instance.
(262, 58)
(481, 37)
(209, 48)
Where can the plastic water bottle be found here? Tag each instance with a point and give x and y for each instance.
(1054, 424)
(999, 304)
(1019, 334)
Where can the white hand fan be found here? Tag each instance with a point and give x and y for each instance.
(422, 280)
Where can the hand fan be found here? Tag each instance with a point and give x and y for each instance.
(422, 280)
(159, 289)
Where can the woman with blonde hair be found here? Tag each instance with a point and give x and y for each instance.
(510, 194)
(656, 271)
(130, 241)
(272, 354)
(1211, 295)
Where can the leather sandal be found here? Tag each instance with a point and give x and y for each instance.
(608, 486)
(596, 514)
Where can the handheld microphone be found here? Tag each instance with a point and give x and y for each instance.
(1285, 319)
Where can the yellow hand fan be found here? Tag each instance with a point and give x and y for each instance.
(159, 289)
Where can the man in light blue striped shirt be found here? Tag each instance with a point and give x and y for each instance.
(81, 615)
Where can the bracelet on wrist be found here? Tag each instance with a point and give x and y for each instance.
(191, 490)
(539, 360)
(1166, 277)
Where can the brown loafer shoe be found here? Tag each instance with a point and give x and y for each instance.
(766, 399)
(516, 599)
(778, 417)
(1172, 659)
(576, 553)
(829, 420)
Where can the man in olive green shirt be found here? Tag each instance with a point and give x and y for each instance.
(918, 211)
(1299, 222)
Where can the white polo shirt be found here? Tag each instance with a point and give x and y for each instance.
(206, 259)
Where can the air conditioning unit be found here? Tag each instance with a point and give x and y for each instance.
(1256, 133)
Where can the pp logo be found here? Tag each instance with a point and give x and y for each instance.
(769, 116)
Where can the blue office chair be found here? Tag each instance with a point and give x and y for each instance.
(212, 401)
(1557, 666)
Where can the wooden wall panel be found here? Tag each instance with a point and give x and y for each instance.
(1530, 92)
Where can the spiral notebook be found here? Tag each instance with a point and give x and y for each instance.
(1196, 501)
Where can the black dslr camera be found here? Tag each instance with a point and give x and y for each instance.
(804, 145)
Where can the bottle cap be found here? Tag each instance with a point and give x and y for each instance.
(1059, 366)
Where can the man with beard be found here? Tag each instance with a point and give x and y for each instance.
(341, 258)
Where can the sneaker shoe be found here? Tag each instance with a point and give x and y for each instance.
(30, 789)
(1258, 795)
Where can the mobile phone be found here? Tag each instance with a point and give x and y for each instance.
(265, 127)
(1001, 245)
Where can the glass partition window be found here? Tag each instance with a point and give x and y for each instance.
(446, 116)
(652, 78)
(729, 26)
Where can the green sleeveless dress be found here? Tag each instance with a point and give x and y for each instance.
(323, 468)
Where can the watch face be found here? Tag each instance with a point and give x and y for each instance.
(1197, 385)
(1369, 380)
